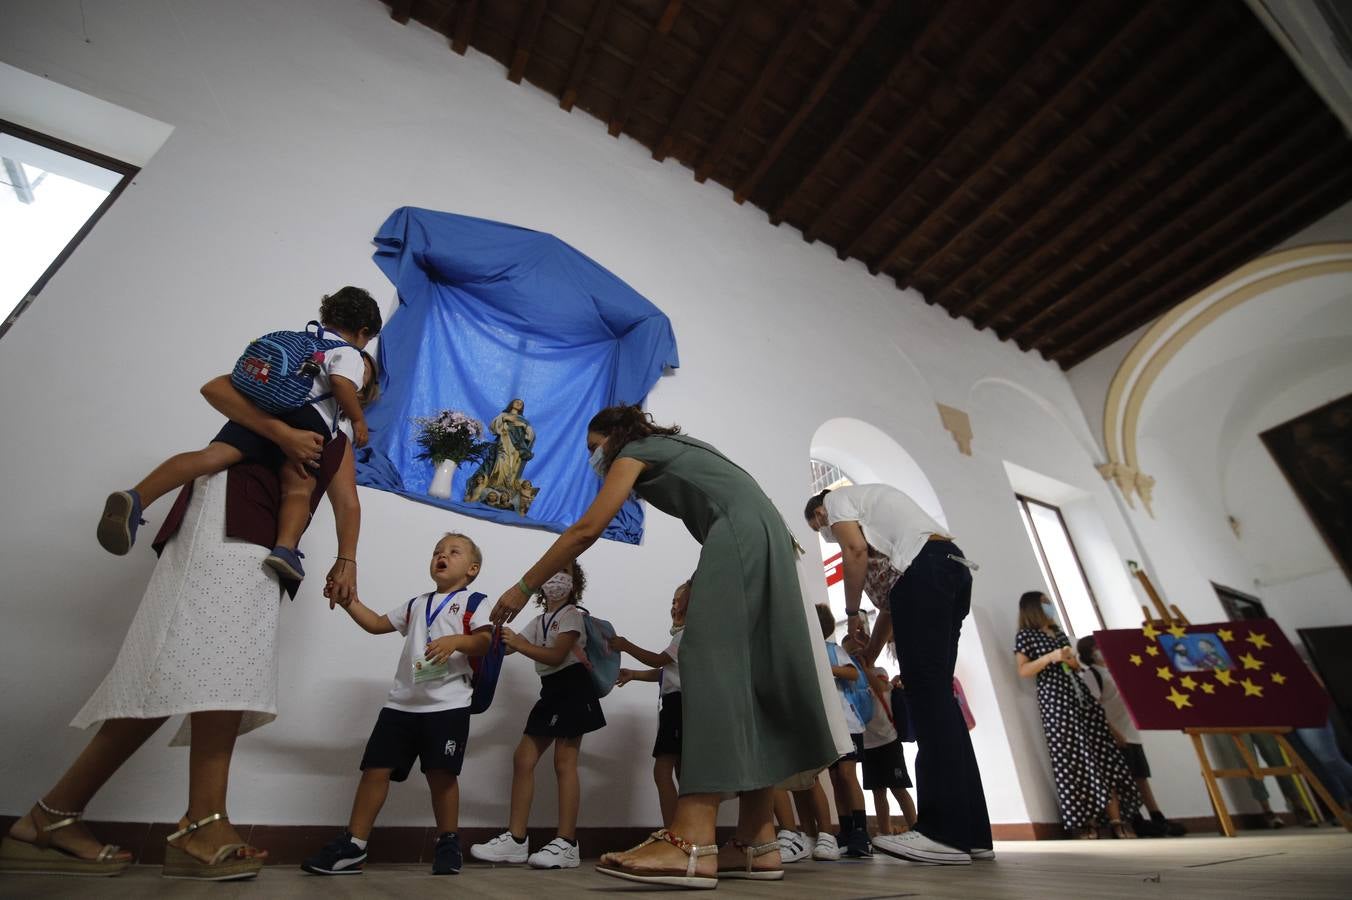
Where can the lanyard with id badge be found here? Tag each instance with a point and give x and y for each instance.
(423, 668)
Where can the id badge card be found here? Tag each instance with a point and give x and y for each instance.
(426, 670)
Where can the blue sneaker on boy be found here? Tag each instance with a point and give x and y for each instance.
(121, 517)
(340, 856)
(446, 858)
(857, 845)
(286, 563)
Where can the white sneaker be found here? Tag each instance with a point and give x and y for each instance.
(984, 855)
(502, 849)
(792, 846)
(827, 848)
(557, 854)
(917, 848)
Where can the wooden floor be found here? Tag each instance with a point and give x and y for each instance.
(1298, 863)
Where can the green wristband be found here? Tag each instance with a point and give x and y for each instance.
(524, 589)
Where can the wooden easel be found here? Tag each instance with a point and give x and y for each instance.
(1295, 765)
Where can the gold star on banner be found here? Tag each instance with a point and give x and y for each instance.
(1258, 640)
(1250, 662)
(1177, 631)
(1150, 630)
(1153, 650)
(1225, 634)
(1164, 674)
(1208, 688)
(1135, 659)
(1177, 699)
(1278, 678)
(1251, 689)
(1224, 677)
(1188, 683)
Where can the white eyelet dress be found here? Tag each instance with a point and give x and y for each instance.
(205, 635)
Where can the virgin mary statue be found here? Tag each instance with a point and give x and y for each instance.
(497, 481)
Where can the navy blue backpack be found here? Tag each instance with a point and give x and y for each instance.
(272, 372)
(484, 669)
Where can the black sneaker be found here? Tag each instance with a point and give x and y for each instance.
(339, 857)
(447, 859)
(1171, 828)
(1146, 828)
(857, 845)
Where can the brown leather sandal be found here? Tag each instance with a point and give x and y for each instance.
(685, 878)
(748, 871)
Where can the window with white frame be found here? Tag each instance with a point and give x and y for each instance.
(1066, 582)
(51, 194)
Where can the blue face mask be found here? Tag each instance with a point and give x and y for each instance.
(598, 461)
(1051, 612)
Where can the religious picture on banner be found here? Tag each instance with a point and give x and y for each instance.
(1195, 652)
(498, 481)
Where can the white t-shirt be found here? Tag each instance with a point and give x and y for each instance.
(453, 691)
(879, 731)
(344, 361)
(563, 620)
(1113, 706)
(852, 723)
(671, 674)
(893, 523)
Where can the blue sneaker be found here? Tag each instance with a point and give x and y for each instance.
(339, 857)
(447, 859)
(286, 563)
(857, 845)
(121, 517)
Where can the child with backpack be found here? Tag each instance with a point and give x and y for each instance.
(666, 671)
(427, 714)
(857, 703)
(569, 707)
(316, 382)
(883, 763)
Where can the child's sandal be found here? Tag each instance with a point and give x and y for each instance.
(685, 878)
(226, 864)
(748, 871)
(41, 858)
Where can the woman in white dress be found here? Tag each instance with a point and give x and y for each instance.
(202, 645)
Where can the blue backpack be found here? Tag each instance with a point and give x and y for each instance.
(269, 372)
(602, 662)
(484, 670)
(857, 693)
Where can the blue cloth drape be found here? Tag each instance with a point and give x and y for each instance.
(489, 313)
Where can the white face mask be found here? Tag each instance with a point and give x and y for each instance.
(827, 534)
(558, 587)
(598, 461)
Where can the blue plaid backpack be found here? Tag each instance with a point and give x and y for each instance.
(272, 372)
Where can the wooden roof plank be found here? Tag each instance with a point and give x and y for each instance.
(727, 34)
(525, 40)
(401, 10)
(466, 11)
(595, 27)
(656, 38)
(823, 82)
(958, 135)
(734, 124)
(906, 61)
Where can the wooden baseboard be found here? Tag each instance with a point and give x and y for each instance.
(289, 844)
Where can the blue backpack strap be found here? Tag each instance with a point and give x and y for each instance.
(408, 613)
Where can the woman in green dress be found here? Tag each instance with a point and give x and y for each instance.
(754, 713)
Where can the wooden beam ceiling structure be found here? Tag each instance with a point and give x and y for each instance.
(1061, 173)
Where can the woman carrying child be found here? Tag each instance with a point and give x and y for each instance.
(568, 708)
(754, 707)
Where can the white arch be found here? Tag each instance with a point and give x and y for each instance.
(1079, 434)
(868, 455)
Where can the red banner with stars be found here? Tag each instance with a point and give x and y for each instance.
(1241, 674)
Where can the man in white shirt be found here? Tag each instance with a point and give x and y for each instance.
(930, 597)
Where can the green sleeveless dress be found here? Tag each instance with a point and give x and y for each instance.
(754, 714)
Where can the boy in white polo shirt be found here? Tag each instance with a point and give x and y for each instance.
(427, 713)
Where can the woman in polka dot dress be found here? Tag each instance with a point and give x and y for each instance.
(1092, 779)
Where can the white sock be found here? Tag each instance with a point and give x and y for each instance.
(361, 845)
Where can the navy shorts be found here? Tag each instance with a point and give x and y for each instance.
(854, 755)
(400, 737)
(668, 741)
(885, 767)
(259, 449)
(568, 705)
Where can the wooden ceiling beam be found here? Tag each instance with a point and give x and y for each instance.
(466, 12)
(734, 124)
(726, 35)
(1205, 159)
(940, 209)
(992, 32)
(639, 77)
(862, 27)
(595, 27)
(1265, 170)
(906, 61)
(1324, 196)
(1179, 48)
(401, 10)
(958, 135)
(1049, 110)
(525, 40)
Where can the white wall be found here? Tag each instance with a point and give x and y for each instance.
(298, 127)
